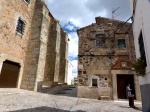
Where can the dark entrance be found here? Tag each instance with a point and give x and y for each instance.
(122, 82)
(9, 74)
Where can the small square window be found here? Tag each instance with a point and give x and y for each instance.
(94, 82)
(20, 26)
(27, 1)
(121, 44)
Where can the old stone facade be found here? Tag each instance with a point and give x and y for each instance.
(106, 58)
(30, 39)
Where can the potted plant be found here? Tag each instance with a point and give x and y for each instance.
(140, 68)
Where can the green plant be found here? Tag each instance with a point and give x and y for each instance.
(140, 67)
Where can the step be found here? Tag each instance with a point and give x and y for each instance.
(105, 98)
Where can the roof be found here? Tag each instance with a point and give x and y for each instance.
(101, 19)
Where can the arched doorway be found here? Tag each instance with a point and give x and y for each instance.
(9, 74)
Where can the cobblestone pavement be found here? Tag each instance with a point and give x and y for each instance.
(15, 100)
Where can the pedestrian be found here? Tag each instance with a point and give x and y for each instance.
(128, 91)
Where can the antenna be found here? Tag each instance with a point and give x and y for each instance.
(113, 13)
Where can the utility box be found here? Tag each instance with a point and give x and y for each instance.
(131, 101)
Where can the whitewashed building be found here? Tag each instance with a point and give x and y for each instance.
(141, 29)
(70, 76)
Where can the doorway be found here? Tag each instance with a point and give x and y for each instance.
(9, 74)
(122, 82)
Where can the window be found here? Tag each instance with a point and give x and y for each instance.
(121, 44)
(142, 49)
(100, 41)
(20, 26)
(94, 82)
(27, 1)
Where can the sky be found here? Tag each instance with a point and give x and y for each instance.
(75, 14)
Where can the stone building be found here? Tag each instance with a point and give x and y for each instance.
(106, 58)
(30, 39)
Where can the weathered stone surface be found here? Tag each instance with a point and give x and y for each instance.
(99, 62)
(63, 66)
(38, 49)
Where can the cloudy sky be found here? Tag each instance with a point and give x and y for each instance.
(74, 14)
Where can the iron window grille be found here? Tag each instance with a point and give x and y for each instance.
(142, 49)
(20, 26)
(100, 41)
(121, 44)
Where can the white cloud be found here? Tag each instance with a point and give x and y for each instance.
(73, 44)
(69, 27)
(82, 13)
(73, 51)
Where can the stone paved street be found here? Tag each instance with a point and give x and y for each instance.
(15, 100)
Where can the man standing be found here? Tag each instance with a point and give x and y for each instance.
(128, 91)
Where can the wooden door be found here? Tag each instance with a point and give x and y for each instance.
(122, 82)
(9, 75)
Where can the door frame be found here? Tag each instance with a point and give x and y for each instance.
(125, 72)
(125, 84)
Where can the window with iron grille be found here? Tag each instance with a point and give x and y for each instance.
(121, 43)
(142, 49)
(20, 26)
(27, 1)
(100, 41)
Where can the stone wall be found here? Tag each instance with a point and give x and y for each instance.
(63, 67)
(96, 63)
(11, 42)
(13, 46)
(36, 50)
(53, 57)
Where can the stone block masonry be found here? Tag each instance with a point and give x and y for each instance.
(37, 50)
(13, 46)
(53, 58)
(63, 66)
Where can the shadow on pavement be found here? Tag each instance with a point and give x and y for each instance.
(45, 109)
(136, 108)
(70, 92)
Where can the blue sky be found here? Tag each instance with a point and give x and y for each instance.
(75, 14)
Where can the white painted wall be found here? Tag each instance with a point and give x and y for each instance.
(70, 75)
(142, 22)
(131, 6)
